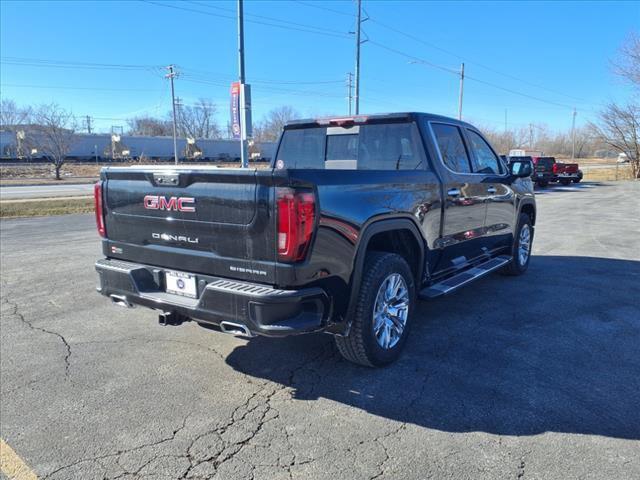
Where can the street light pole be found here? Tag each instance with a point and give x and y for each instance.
(461, 91)
(171, 76)
(349, 87)
(243, 101)
(357, 75)
(573, 135)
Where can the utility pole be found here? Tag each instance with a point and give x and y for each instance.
(245, 127)
(573, 135)
(358, 28)
(461, 91)
(179, 115)
(171, 75)
(505, 121)
(349, 86)
(88, 124)
(531, 136)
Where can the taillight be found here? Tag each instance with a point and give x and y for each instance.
(296, 219)
(555, 168)
(97, 197)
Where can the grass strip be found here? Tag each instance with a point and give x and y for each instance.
(45, 207)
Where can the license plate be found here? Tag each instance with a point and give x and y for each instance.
(180, 284)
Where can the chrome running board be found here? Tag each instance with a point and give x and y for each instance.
(458, 280)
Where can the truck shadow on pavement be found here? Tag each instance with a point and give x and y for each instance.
(572, 187)
(556, 350)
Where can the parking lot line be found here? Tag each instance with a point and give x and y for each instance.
(12, 465)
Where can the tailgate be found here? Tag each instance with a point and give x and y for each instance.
(570, 168)
(203, 220)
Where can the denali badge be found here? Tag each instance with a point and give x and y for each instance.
(179, 204)
(174, 238)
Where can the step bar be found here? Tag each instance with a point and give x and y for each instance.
(460, 279)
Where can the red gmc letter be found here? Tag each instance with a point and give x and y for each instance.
(171, 204)
(186, 208)
(151, 202)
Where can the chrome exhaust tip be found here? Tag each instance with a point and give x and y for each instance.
(121, 301)
(236, 329)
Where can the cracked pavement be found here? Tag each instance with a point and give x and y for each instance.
(529, 377)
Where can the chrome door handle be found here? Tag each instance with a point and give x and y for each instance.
(454, 192)
(491, 190)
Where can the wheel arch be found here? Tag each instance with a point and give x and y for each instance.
(386, 235)
(528, 208)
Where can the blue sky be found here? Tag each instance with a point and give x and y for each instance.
(557, 52)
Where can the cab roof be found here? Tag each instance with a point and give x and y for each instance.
(340, 120)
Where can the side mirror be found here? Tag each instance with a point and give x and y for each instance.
(521, 168)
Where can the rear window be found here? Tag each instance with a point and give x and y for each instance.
(302, 148)
(547, 162)
(386, 146)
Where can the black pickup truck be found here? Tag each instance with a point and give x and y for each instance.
(355, 219)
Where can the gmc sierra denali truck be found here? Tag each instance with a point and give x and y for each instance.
(355, 219)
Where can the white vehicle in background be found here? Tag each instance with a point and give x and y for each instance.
(623, 158)
(523, 152)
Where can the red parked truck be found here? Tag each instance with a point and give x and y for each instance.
(547, 170)
(565, 173)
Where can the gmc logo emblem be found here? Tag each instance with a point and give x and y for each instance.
(178, 204)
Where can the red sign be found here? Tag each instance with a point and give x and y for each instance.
(235, 109)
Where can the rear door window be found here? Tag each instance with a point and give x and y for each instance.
(486, 161)
(390, 146)
(451, 146)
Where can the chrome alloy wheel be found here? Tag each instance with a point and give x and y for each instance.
(524, 244)
(390, 311)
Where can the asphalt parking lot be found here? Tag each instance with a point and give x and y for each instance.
(529, 377)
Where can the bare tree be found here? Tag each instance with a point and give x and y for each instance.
(52, 134)
(268, 130)
(150, 126)
(502, 141)
(11, 115)
(618, 125)
(198, 121)
(628, 64)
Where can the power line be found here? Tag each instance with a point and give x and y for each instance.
(101, 66)
(321, 7)
(37, 62)
(475, 79)
(414, 58)
(311, 93)
(206, 75)
(515, 92)
(60, 87)
(287, 22)
(259, 22)
(491, 69)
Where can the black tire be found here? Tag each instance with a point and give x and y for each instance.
(542, 183)
(577, 180)
(516, 267)
(565, 181)
(360, 345)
